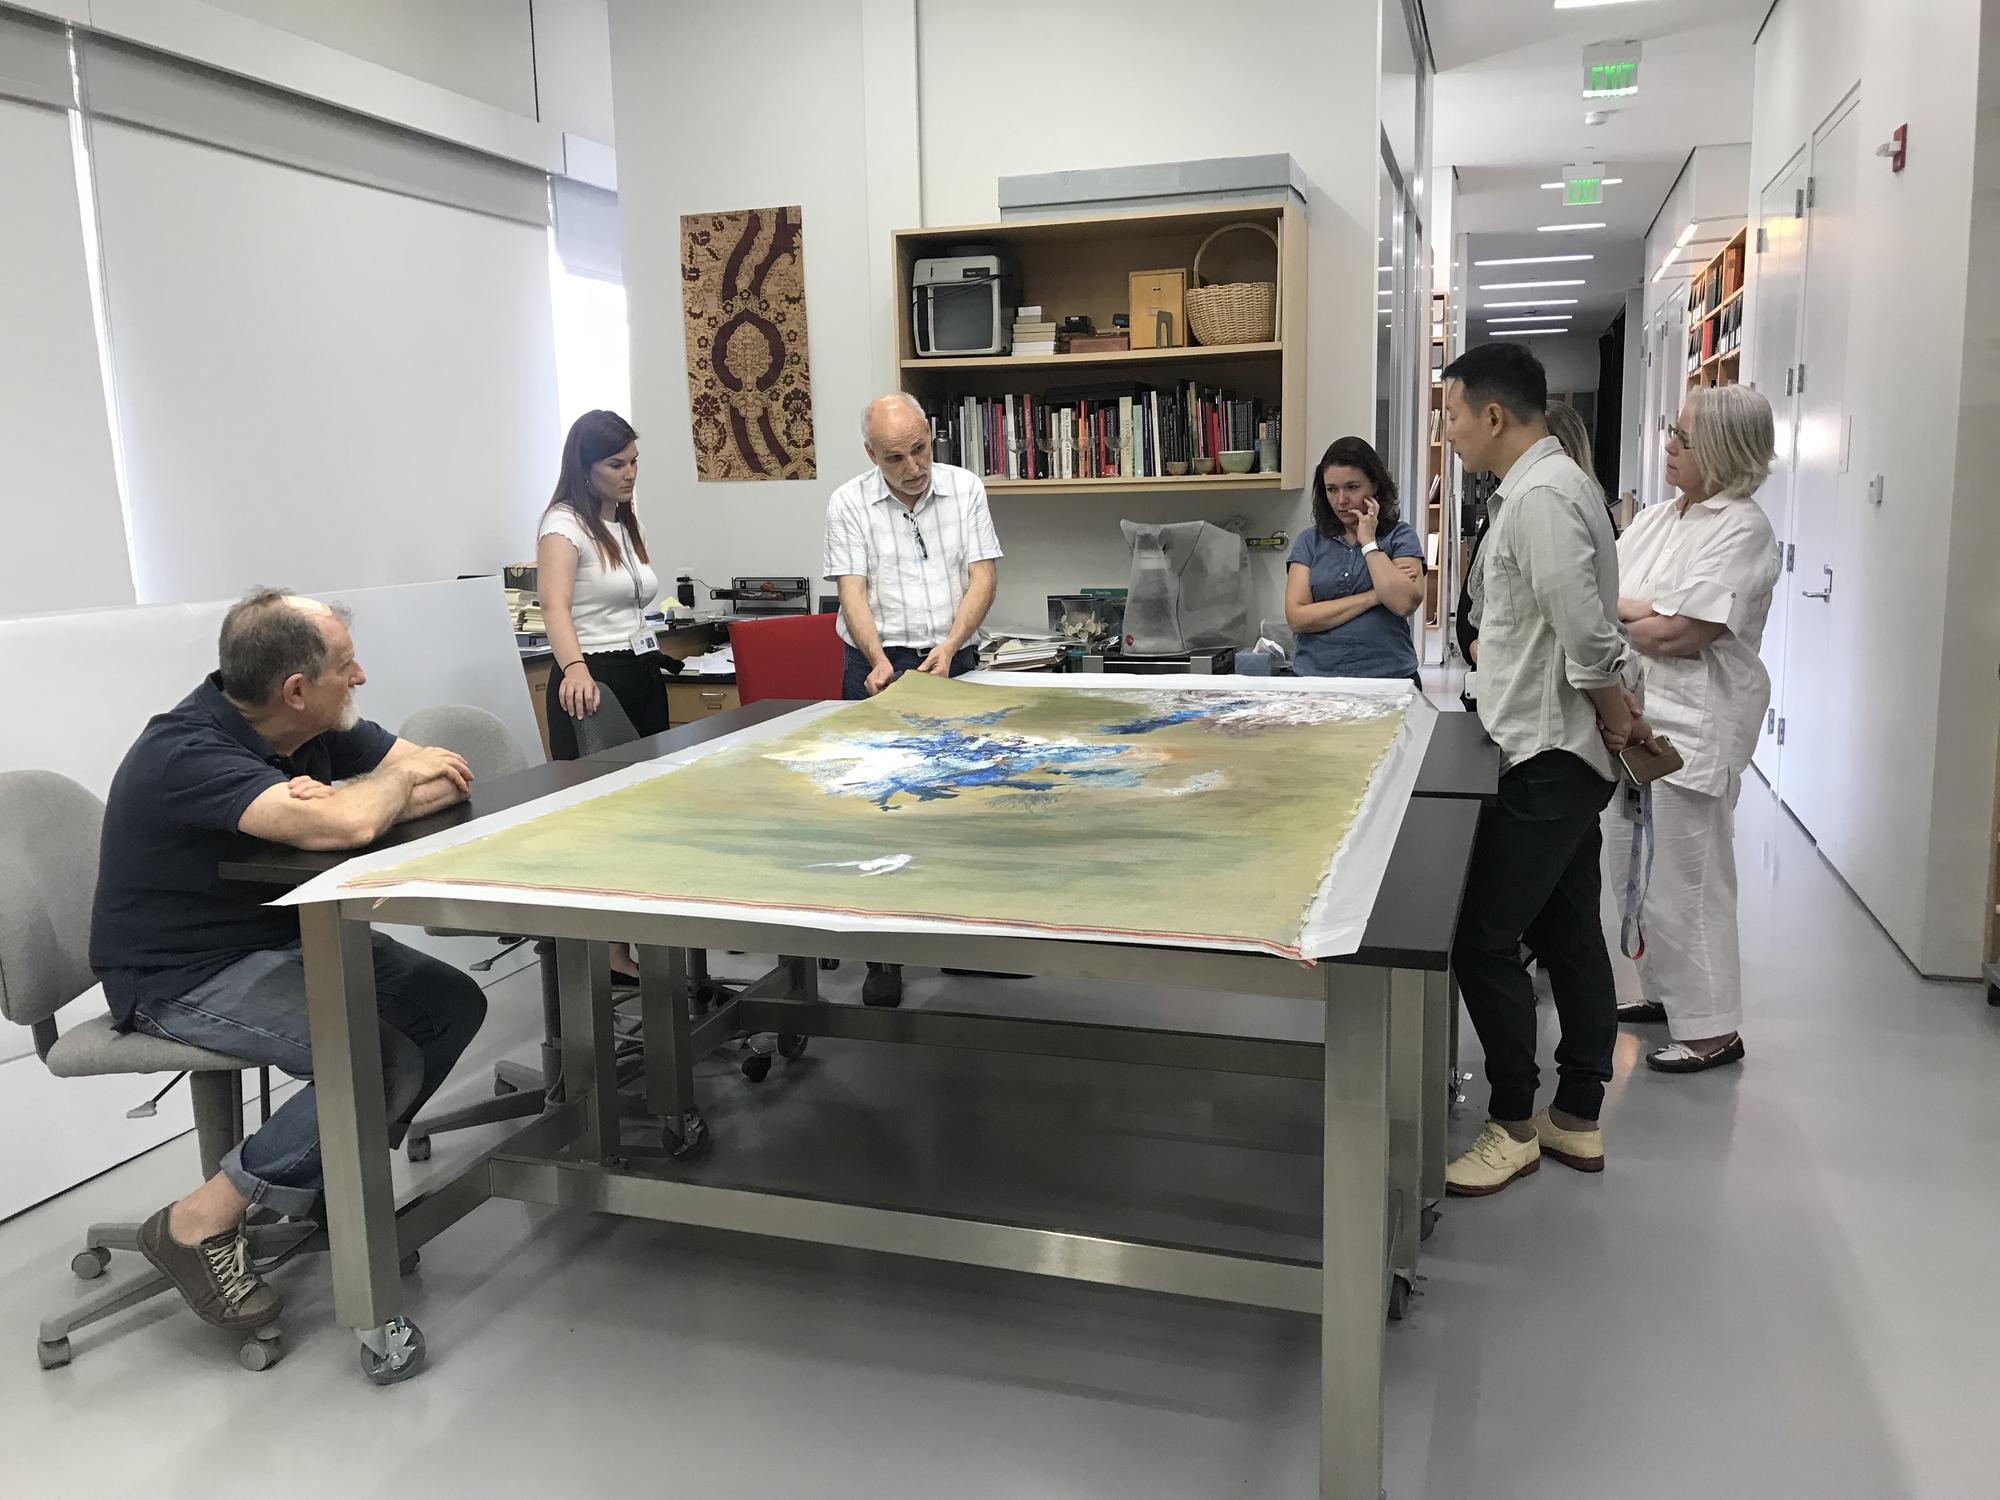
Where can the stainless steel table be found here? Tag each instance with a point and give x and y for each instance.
(584, 1154)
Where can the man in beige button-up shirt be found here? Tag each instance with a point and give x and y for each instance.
(1552, 659)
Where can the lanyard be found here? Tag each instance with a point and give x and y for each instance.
(1638, 811)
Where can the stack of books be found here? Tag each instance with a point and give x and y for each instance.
(1031, 334)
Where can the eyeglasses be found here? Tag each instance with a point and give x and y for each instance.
(1678, 437)
(917, 532)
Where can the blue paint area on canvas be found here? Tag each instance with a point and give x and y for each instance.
(952, 761)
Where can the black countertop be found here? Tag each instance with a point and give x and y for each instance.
(1462, 760)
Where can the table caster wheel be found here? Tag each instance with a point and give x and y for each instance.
(261, 1350)
(53, 1354)
(418, 1147)
(90, 1264)
(392, 1353)
(1428, 1221)
(757, 1067)
(707, 997)
(791, 1045)
(1399, 1299)
(407, 1266)
(688, 1139)
(829, 964)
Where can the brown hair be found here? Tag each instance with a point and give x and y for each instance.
(594, 437)
(1355, 453)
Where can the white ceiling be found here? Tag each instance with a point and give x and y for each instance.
(1509, 110)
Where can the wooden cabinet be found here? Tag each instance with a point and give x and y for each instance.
(538, 686)
(691, 700)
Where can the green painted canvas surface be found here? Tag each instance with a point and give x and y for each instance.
(1143, 811)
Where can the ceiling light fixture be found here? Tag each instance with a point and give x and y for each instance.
(1538, 302)
(1524, 286)
(1566, 228)
(1533, 318)
(1687, 234)
(1524, 333)
(1533, 260)
(1589, 4)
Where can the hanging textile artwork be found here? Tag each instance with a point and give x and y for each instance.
(743, 288)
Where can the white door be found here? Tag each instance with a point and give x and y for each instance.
(1816, 689)
(1773, 357)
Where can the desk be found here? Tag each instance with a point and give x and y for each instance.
(688, 698)
(578, 1154)
(1462, 760)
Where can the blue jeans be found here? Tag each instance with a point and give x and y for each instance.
(256, 1010)
(854, 677)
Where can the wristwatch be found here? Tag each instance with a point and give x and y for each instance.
(1368, 547)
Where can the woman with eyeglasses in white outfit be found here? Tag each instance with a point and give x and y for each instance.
(1695, 580)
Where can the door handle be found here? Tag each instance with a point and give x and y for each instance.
(1825, 593)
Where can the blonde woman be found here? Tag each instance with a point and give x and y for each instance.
(1695, 576)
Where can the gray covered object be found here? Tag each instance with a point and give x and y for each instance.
(1189, 589)
(486, 744)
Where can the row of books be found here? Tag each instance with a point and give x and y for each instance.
(1718, 334)
(1120, 432)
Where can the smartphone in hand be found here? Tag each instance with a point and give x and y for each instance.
(1650, 760)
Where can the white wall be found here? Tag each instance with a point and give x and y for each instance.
(1633, 404)
(842, 148)
(1916, 630)
(1570, 359)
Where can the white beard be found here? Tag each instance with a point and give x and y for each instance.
(350, 713)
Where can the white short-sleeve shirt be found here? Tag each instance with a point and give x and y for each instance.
(1717, 563)
(917, 561)
(609, 604)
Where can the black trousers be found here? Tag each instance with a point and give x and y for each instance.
(634, 681)
(1535, 878)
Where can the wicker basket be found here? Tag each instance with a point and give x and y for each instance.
(1241, 312)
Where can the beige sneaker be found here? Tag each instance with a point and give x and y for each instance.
(1494, 1159)
(1581, 1149)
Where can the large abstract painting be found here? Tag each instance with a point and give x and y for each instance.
(743, 287)
(1182, 815)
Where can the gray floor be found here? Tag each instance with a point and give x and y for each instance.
(1780, 1288)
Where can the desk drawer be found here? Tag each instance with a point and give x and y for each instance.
(688, 701)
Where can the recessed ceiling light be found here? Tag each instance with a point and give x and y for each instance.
(1524, 286)
(1565, 228)
(1533, 318)
(1538, 302)
(1532, 260)
(1601, 182)
(1589, 4)
(1385, 270)
(1525, 333)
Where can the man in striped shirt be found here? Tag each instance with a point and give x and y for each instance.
(911, 546)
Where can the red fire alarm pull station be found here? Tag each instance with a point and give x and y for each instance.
(1902, 152)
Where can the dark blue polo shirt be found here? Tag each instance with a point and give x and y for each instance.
(164, 920)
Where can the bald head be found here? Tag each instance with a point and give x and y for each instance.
(270, 636)
(897, 435)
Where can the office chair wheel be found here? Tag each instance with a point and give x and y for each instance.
(262, 1349)
(418, 1147)
(407, 1266)
(1399, 1299)
(90, 1264)
(689, 1139)
(834, 963)
(791, 1045)
(757, 1066)
(54, 1354)
(402, 1352)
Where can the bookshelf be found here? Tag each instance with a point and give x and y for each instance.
(1072, 266)
(1715, 317)
(1439, 535)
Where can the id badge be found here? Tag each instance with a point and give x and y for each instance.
(644, 643)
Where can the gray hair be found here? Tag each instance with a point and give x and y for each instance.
(267, 636)
(1734, 441)
(868, 411)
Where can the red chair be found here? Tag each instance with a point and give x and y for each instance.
(787, 656)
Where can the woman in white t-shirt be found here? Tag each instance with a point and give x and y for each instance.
(596, 586)
(1695, 577)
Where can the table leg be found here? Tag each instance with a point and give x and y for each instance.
(1438, 1087)
(1408, 1098)
(665, 999)
(590, 1069)
(354, 1140)
(1355, 1208)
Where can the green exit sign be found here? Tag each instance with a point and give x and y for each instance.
(1580, 192)
(1608, 80)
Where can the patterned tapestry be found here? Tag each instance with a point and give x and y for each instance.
(743, 284)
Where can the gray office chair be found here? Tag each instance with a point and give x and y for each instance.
(520, 1092)
(49, 830)
(606, 729)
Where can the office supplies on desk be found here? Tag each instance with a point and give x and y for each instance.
(767, 596)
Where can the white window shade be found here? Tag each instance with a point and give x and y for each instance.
(321, 385)
(34, 60)
(65, 534)
(586, 225)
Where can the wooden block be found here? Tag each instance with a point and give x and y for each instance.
(1153, 294)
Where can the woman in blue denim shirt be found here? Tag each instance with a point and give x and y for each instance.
(1354, 580)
